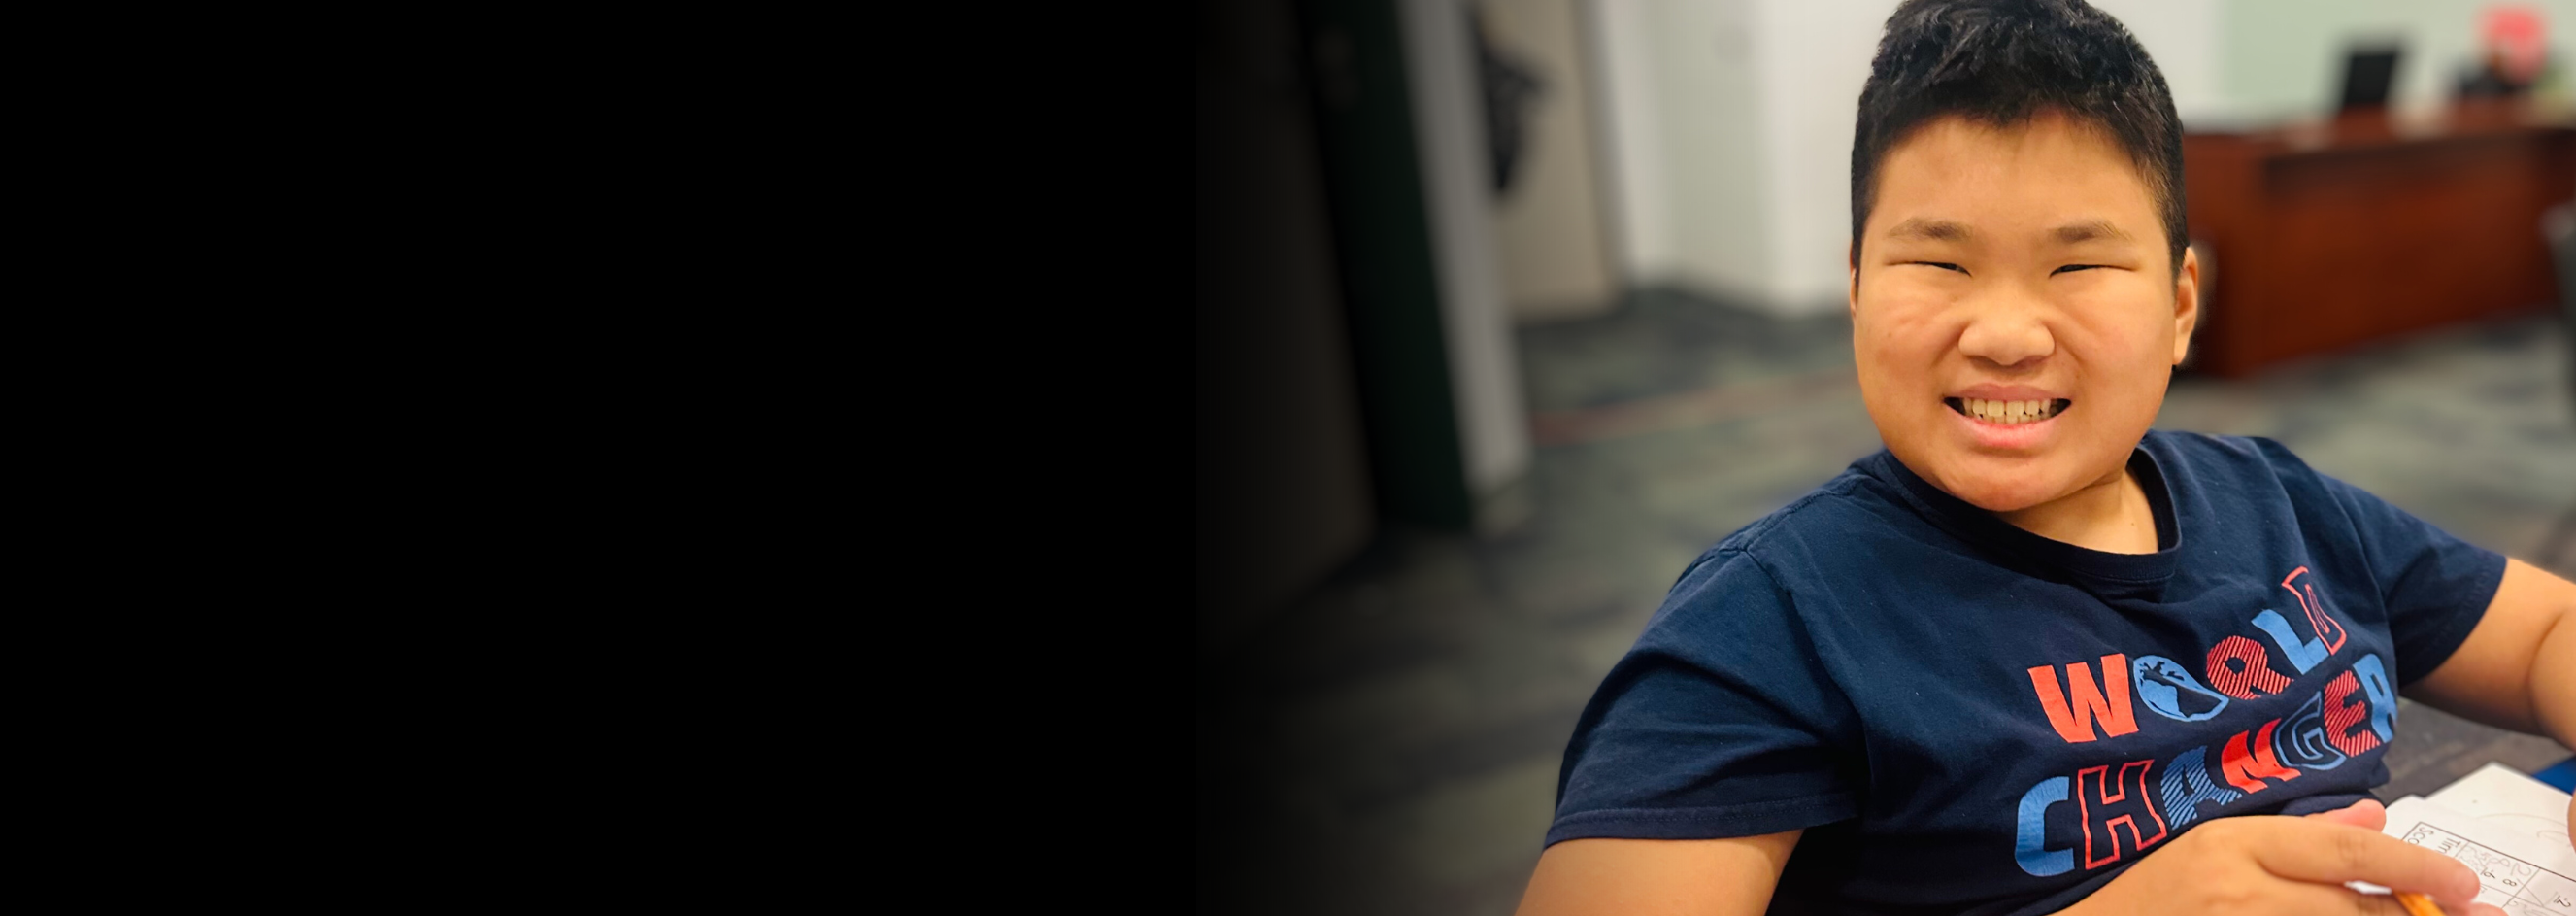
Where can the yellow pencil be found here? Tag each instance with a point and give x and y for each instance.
(2417, 904)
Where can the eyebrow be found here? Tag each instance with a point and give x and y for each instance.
(2090, 230)
(1936, 230)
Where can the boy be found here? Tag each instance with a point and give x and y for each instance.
(2033, 657)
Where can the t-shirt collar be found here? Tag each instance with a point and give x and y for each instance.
(1979, 526)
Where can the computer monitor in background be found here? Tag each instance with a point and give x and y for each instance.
(2367, 74)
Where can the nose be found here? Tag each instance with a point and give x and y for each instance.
(2011, 334)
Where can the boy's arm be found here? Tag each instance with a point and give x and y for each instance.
(1731, 877)
(2517, 670)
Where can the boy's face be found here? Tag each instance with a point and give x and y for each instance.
(2015, 313)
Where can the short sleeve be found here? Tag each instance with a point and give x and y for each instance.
(1720, 722)
(2435, 586)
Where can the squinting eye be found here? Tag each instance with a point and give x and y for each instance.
(1941, 265)
(2070, 267)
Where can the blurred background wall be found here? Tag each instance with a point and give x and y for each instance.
(2279, 58)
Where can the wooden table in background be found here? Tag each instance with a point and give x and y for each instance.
(2327, 237)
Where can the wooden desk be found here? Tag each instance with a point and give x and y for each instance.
(2338, 234)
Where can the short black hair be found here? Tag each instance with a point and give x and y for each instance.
(2000, 63)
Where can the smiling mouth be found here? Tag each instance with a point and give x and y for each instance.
(2007, 413)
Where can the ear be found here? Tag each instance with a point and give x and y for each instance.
(1851, 289)
(2186, 303)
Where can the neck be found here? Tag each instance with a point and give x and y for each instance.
(2110, 515)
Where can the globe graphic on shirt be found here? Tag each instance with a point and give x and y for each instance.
(2170, 691)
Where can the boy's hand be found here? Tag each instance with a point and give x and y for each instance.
(2266, 865)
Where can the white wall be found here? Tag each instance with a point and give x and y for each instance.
(2285, 57)
(1449, 131)
(2184, 39)
(2236, 64)
(1688, 170)
(1813, 56)
(1555, 261)
(1730, 122)
(1635, 203)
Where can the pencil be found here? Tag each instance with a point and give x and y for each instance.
(2417, 904)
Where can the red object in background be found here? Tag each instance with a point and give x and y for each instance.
(2518, 37)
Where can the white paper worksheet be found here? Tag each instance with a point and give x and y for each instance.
(2499, 793)
(2523, 865)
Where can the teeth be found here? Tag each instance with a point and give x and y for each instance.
(2009, 412)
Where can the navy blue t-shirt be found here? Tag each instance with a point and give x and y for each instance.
(1968, 717)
